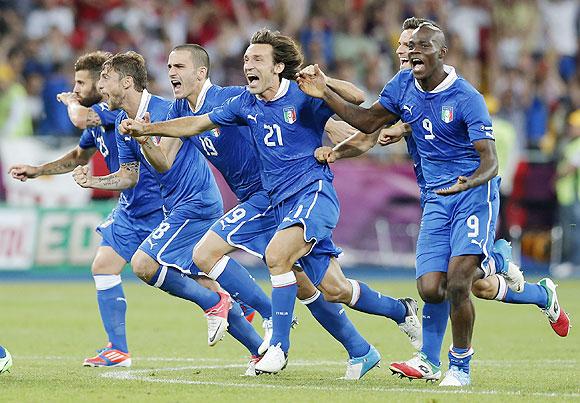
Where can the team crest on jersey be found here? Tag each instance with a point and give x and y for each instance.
(447, 114)
(215, 132)
(290, 114)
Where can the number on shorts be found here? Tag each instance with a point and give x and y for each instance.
(160, 231)
(233, 217)
(473, 224)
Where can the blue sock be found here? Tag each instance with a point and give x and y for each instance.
(242, 330)
(435, 317)
(283, 295)
(460, 357)
(333, 318)
(2, 352)
(371, 301)
(532, 294)
(179, 285)
(113, 308)
(235, 279)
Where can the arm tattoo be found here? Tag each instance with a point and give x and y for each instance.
(93, 118)
(131, 167)
(108, 181)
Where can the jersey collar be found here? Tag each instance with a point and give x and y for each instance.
(282, 90)
(145, 98)
(449, 80)
(201, 97)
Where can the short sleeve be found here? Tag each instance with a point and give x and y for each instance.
(230, 113)
(477, 119)
(107, 117)
(126, 154)
(87, 140)
(391, 94)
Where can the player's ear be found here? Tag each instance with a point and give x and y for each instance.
(442, 52)
(279, 68)
(127, 82)
(201, 73)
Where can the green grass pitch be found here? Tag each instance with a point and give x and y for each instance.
(50, 327)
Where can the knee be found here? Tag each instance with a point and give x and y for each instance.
(204, 259)
(433, 293)
(101, 267)
(277, 260)
(143, 266)
(457, 289)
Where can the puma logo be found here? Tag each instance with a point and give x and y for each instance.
(254, 118)
(480, 243)
(151, 243)
(408, 108)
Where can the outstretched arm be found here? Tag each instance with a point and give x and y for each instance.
(347, 91)
(487, 170)
(66, 163)
(161, 155)
(366, 120)
(181, 127)
(80, 116)
(126, 177)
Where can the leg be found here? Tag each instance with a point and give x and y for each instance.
(106, 270)
(209, 255)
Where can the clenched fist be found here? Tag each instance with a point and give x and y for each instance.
(82, 176)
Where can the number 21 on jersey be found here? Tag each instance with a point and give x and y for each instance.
(273, 135)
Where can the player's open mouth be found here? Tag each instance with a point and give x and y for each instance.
(404, 61)
(417, 64)
(176, 84)
(252, 79)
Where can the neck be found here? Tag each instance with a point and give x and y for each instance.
(193, 97)
(270, 93)
(431, 82)
(131, 103)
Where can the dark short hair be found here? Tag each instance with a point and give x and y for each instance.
(285, 50)
(129, 64)
(198, 54)
(92, 62)
(414, 23)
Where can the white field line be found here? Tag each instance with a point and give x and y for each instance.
(135, 375)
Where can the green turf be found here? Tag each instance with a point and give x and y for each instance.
(49, 328)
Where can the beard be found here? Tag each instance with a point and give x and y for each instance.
(93, 98)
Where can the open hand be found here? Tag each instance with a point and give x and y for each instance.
(312, 81)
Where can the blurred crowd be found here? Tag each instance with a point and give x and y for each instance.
(521, 54)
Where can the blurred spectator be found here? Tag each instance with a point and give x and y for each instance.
(15, 119)
(568, 192)
(56, 121)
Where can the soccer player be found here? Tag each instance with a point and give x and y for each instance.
(286, 126)
(250, 225)
(136, 215)
(191, 199)
(431, 285)
(452, 130)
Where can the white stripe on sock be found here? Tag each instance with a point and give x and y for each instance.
(283, 280)
(161, 277)
(310, 300)
(355, 292)
(218, 268)
(502, 289)
(106, 281)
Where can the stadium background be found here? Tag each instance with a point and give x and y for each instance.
(521, 54)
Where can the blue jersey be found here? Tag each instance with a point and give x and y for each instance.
(189, 183)
(412, 149)
(229, 149)
(286, 131)
(145, 197)
(103, 137)
(445, 123)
